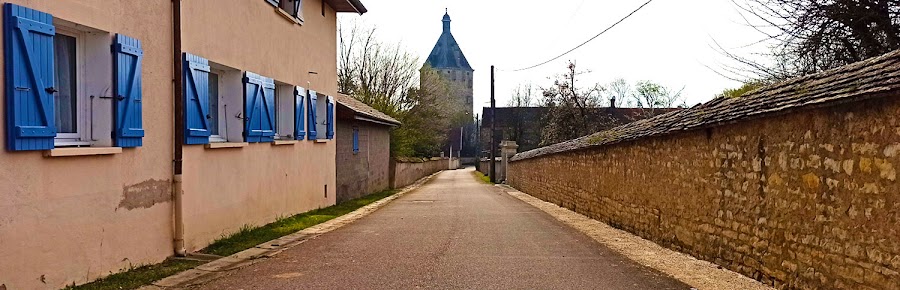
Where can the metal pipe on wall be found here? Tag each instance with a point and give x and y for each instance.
(178, 160)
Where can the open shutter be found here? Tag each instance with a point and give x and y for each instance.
(259, 104)
(299, 116)
(329, 118)
(196, 98)
(311, 105)
(355, 140)
(127, 77)
(28, 56)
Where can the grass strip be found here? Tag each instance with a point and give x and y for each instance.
(140, 276)
(248, 237)
(481, 177)
(245, 238)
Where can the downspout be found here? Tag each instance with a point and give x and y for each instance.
(178, 203)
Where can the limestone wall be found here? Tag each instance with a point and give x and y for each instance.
(405, 171)
(806, 199)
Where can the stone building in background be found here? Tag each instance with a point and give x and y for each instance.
(448, 59)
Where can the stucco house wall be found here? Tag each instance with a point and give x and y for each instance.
(74, 219)
(225, 189)
(66, 220)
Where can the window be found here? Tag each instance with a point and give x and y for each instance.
(355, 140)
(321, 116)
(66, 100)
(214, 115)
(83, 100)
(224, 115)
(285, 106)
(87, 89)
(294, 8)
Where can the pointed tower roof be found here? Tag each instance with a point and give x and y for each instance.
(446, 53)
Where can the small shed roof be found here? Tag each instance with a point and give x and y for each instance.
(875, 77)
(364, 110)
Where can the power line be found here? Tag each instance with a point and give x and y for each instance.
(589, 40)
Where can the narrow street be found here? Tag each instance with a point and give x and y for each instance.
(453, 232)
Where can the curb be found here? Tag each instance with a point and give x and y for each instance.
(209, 271)
(697, 273)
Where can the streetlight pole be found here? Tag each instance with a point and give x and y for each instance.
(493, 117)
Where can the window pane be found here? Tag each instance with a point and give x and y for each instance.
(66, 100)
(213, 104)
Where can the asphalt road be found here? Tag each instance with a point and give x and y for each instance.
(453, 232)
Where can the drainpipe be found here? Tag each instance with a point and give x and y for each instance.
(178, 219)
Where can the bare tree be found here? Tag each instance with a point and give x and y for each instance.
(808, 36)
(522, 96)
(618, 89)
(572, 111)
(375, 72)
(387, 78)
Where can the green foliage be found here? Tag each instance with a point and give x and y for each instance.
(245, 238)
(136, 277)
(741, 91)
(649, 96)
(248, 237)
(481, 177)
(383, 76)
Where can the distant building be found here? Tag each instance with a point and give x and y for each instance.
(363, 156)
(524, 124)
(448, 59)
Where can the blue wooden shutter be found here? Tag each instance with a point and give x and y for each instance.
(355, 140)
(299, 99)
(196, 98)
(28, 56)
(311, 104)
(329, 118)
(127, 77)
(259, 106)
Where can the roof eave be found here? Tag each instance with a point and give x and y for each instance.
(354, 6)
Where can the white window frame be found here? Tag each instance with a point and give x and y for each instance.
(81, 136)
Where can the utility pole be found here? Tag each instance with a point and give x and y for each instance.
(493, 117)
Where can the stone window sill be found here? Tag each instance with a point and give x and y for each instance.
(82, 151)
(322, 140)
(284, 142)
(224, 145)
(289, 17)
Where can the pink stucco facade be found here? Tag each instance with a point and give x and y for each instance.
(74, 219)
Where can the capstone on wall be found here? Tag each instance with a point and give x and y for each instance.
(804, 200)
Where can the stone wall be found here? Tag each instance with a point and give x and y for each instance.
(484, 167)
(800, 200)
(367, 171)
(406, 171)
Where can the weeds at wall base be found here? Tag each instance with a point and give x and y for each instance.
(246, 237)
(481, 177)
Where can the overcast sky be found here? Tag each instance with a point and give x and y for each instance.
(668, 42)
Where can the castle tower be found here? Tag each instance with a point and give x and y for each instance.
(448, 59)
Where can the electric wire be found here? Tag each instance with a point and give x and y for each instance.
(589, 40)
